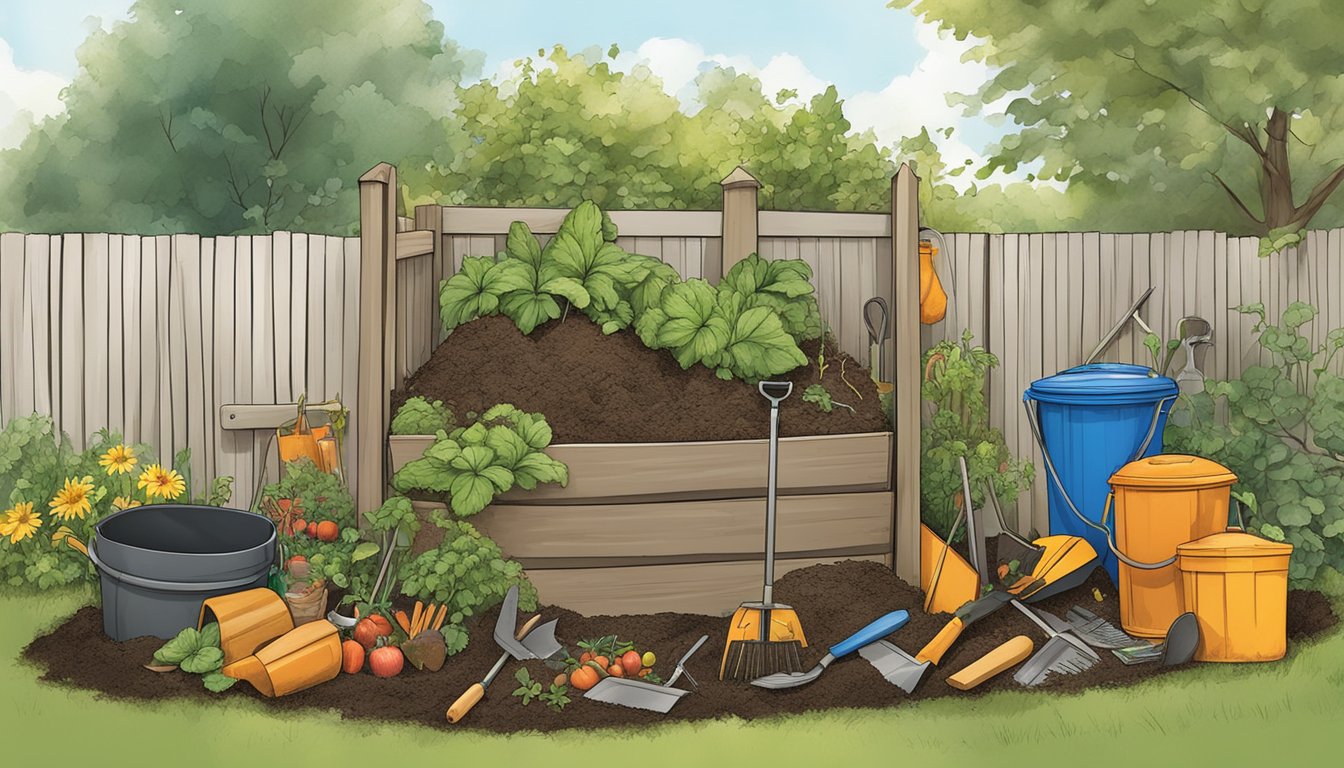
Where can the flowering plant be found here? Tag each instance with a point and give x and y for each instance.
(52, 496)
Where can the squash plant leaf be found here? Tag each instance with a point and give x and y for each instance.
(475, 290)
(758, 346)
(692, 329)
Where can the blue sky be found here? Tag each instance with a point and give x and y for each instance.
(892, 70)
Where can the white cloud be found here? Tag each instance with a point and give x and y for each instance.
(26, 96)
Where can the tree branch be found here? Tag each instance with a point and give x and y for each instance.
(1319, 194)
(1235, 199)
(168, 130)
(1244, 134)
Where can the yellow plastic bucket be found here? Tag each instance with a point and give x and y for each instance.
(1236, 584)
(1162, 502)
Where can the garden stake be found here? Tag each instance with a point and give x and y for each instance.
(764, 638)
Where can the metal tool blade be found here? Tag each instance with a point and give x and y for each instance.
(681, 665)
(507, 623)
(541, 642)
(895, 665)
(635, 694)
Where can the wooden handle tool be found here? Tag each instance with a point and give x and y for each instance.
(1006, 656)
(476, 692)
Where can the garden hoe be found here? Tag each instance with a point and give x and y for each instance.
(764, 637)
(1066, 563)
(638, 694)
(528, 643)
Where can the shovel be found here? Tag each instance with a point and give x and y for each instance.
(638, 694)
(539, 643)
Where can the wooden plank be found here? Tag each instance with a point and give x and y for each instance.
(350, 352)
(851, 329)
(823, 224)
(315, 371)
(1010, 382)
(11, 324)
(829, 285)
(978, 294)
(148, 348)
(1334, 307)
(268, 416)
(693, 258)
(73, 311)
(1035, 299)
(723, 469)
(56, 256)
(205, 410)
(1155, 312)
(714, 589)
(1216, 272)
(228, 450)
(1141, 280)
(996, 322)
(903, 466)
(1090, 317)
(116, 341)
(416, 243)
(467, 220)
(731, 529)
(96, 276)
(1107, 307)
(35, 390)
(1124, 295)
(183, 334)
(282, 302)
(298, 316)
(264, 362)
(245, 315)
(333, 324)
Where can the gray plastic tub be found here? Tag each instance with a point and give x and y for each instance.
(158, 563)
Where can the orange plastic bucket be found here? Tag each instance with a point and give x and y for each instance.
(1162, 502)
(1237, 586)
(247, 621)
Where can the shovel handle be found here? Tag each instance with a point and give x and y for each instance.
(933, 652)
(465, 702)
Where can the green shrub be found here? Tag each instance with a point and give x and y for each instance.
(316, 496)
(955, 383)
(1280, 429)
(418, 416)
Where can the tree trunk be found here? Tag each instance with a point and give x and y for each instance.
(1276, 178)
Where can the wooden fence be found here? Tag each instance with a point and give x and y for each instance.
(1041, 302)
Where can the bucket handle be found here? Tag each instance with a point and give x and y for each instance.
(164, 586)
(1033, 421)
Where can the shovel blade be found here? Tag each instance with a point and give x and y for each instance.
(541, 641)
(635, 694)
(895, 665)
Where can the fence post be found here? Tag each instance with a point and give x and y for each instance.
(740, 206)
(430, 217)
(377, 293)
(905, 453)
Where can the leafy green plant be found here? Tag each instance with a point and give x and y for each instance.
(582, 252)
(475, 291)
(472, 465)
(816, 393)
(539, 279)
(393, 519)
(197, 653)
(468, 573)
(316, 497)
(556, 697)
(419, 416)
(955, 372)
(1282, 435)
(784, 286)
(528, 689)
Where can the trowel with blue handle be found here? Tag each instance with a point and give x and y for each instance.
(868, 635)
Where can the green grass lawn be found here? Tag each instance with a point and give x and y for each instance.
(1225, 715)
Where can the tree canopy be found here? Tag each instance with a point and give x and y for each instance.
(1231, 107)
(222, 117)
(569, 127)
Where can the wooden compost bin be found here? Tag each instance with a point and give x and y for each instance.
(650, 527)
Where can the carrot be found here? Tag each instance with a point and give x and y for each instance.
(403, 622)
(443, 614)
(415, 616)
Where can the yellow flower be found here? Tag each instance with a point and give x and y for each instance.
(20, 522)
(119, 460)
(72, 500)
(125, 502)
(162, 482)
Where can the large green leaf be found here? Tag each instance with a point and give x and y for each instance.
(203, 661)
(537, 468)
(476, 289)
(759, 347)
(187, 642)
(693, 330)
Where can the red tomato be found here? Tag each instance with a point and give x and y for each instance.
(327, 531)
(297, 527)
(602, 661)
(631, 662)
(312, 530)
(386, 661)
(370, 628)
(616, 670)
(586, 657)
(583, 678)
(352, 657)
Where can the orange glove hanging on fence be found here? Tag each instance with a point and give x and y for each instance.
(932, 298)
(301, 440)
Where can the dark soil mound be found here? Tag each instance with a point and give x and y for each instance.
(832, 601)
(613, 389)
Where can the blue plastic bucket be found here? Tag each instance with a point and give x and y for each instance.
(1091, 421)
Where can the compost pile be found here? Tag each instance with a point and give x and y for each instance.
(613, 389)
(832, 601)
